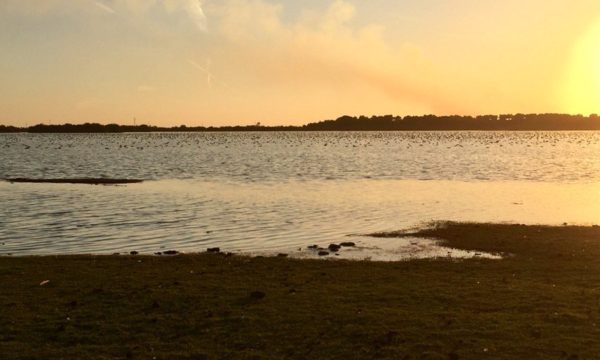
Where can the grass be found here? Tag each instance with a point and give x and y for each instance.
(541, 301)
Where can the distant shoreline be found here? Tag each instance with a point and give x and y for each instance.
(89, 181)
(514, 122)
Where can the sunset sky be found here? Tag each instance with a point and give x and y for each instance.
(223, 62)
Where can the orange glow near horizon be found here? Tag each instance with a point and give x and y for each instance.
(283, 62)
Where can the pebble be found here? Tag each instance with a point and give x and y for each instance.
(257, 295)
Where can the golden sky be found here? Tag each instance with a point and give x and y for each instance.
(224, 62)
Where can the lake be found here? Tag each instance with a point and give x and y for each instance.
(270, 192)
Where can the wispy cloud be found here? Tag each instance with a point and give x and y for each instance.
(327, 51)
(196, 13)
(192, 8)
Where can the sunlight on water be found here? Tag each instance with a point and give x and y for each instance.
(256, 192)
(192, 215)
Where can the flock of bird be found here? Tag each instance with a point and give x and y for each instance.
(253, 155)
(141, 141)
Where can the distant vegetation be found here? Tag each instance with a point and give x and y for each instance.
(362, 123)
(6, 129)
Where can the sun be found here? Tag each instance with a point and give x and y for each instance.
(582, 85)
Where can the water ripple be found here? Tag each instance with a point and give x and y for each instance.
(280, 191)
(192, 215)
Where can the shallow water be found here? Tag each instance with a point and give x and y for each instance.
(277, 192)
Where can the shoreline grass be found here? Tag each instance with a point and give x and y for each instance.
(542, 301)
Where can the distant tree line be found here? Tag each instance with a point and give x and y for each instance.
(514, 122)
(7, 129)
(455, 122)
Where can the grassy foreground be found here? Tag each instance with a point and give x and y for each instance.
(543, 301)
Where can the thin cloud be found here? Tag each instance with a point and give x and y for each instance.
(196, 13)
(326, 51)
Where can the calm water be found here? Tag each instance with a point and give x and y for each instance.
(261, 192)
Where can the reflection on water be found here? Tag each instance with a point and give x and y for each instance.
(280, 191)
(191, 215)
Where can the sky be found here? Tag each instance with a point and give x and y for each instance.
(289, 62)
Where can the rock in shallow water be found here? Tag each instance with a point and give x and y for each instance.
(334, 247)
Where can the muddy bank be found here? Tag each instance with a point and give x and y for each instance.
(540, 302)
(90, 181)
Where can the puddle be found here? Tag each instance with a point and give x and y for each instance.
(385, 249)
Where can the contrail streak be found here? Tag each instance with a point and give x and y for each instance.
(105, 7)
(206, 70)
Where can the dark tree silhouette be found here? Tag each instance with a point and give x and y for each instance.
(7, 129)
(509, 122)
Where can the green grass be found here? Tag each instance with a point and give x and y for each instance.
(541, 301)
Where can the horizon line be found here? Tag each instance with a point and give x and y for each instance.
(259, 124)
